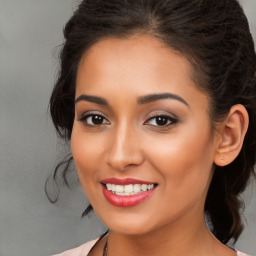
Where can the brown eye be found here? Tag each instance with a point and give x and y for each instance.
(93, 120)
(97, 119)
(161, 120)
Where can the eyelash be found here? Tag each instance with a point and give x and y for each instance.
(170, 120)
(84, 119)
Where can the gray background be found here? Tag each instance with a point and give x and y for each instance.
(30, 30)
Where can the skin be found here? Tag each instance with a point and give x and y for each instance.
(128, 143)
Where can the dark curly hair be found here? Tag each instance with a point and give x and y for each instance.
(214, 36)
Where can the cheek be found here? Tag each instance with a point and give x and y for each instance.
(86, 154)
(184, 159)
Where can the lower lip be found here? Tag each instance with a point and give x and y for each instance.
(126, 201)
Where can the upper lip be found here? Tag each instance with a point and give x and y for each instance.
(125, 181)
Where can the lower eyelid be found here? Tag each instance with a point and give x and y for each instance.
(84, 119)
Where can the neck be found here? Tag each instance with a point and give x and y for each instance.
(192, 238)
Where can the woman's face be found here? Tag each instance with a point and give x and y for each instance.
(141, 127)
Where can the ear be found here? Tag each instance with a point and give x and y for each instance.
(232, 131)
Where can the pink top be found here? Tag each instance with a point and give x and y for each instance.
(84, 249)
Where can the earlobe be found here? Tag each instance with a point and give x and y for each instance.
(232, 132)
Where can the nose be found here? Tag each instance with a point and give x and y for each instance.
(124, 148)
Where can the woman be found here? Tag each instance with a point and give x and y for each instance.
(158, 99)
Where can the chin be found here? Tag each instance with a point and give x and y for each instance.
(132, 230)
(129, 225)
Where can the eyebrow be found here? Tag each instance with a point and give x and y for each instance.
(154, 97)
(93, 99)
(141, 100)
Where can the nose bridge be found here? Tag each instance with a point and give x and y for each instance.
(124, 147)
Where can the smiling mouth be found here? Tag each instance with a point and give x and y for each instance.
(127, 192)
(129, 189)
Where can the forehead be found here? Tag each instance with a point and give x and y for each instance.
(135, 65)
(143, 50)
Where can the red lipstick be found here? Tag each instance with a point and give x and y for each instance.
(126, 200)
(126, 181)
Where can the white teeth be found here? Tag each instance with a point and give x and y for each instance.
(150, 186)
(144, 187)
(136, 188)
(109, 186)
(130, 189)
(119, 193)
(119, 188)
